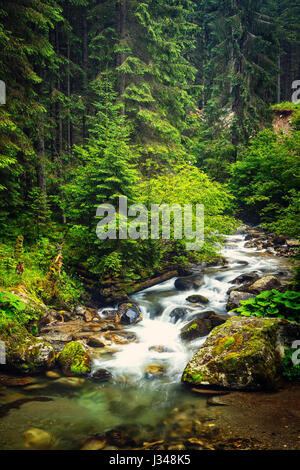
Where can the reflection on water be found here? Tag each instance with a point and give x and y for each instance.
(75, 410)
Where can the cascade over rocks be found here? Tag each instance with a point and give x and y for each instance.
(178, 314)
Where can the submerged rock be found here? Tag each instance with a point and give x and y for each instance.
(74, 359)
(38, 439)
(11, 381)
(70, 382)
(129, 313)
(97, 442)
(159, 349)
(155, 371)
(243, 354)
(201, 325)
(122, 337)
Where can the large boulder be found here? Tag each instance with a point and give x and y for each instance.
(23, 351)
(129, 313)
(245, 353)
(74, 359)
(201, 325)
(189, 282)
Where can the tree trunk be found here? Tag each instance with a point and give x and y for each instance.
(121, 30)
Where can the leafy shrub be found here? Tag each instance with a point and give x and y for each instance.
(12, 308)
(266, 181)
(272, 304)
(290, 371)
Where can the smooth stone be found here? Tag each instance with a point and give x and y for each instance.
(197, 299)
(97, 442)
(73, 382)
(38, 439)
(52, 375)
(189, 282)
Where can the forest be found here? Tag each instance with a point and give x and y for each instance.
(164, 102)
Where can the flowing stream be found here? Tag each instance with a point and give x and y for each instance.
(157, 327)
(71, 412)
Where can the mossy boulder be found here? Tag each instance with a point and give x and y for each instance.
(74, 359)
(242, 354)
(25, 352)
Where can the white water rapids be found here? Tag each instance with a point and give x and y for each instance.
(156, 328)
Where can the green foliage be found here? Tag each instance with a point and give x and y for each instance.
(13, 309)
(36, 265)
(266, 180)
(291, 371)
(272, 304)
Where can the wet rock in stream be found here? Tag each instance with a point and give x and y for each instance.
(129, 313)
(189, 282)
(201, 325)
(195, 299)
(178, 314)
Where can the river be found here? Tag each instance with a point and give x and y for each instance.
(72, 411)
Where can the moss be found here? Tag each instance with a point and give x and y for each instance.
(24, 352)
(192, 327)
(74, 359)
(242, 353)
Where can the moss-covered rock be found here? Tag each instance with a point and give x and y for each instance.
(24, 351)
(201, 325)
(243, 353)
(74, 359)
